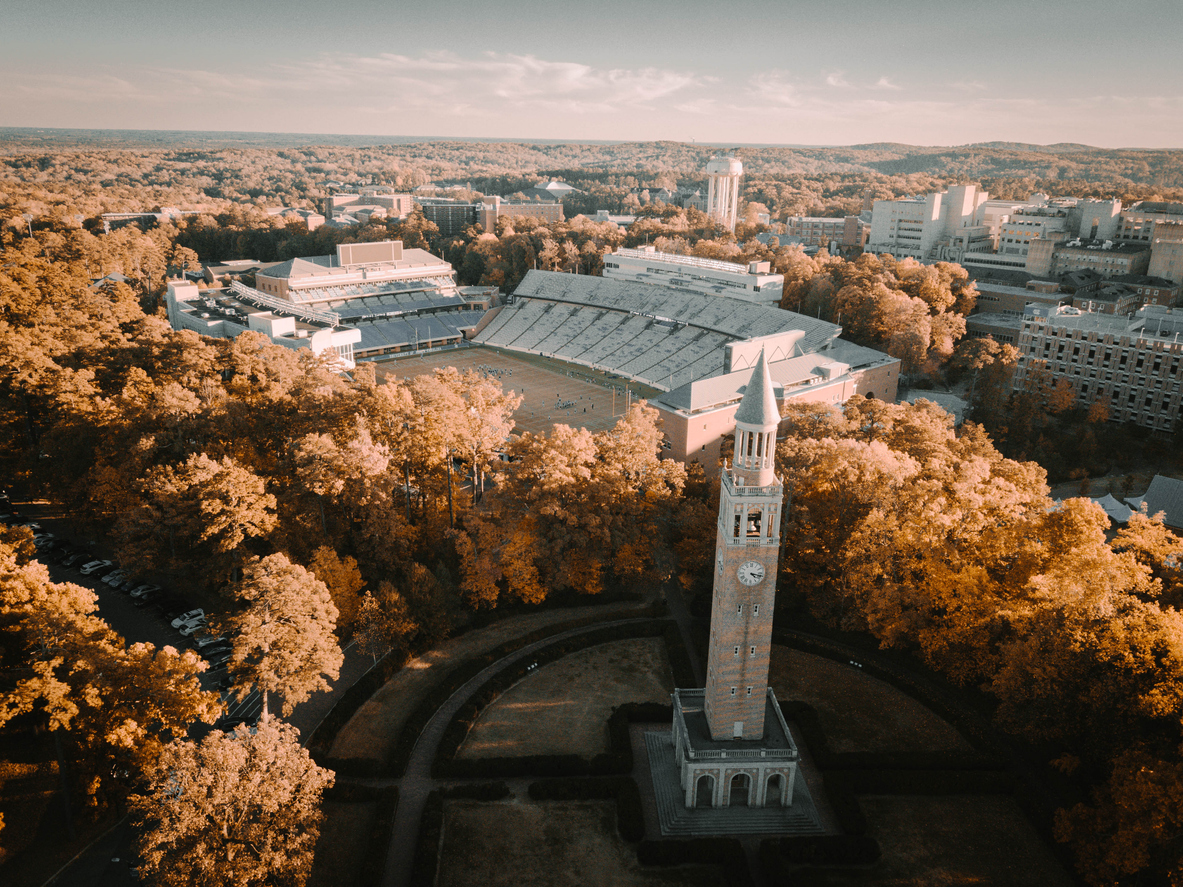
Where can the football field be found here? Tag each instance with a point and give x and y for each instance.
(553, 393)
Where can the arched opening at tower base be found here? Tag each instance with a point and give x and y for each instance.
(741, 787)
(772, 797)
(704, 792)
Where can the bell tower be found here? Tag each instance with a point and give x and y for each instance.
(747, 552)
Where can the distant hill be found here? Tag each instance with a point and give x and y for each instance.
(1115, 169)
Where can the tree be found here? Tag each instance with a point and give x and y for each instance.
(384, 621)
(344, 581)
(239, 809)
(117, 706)
(284, 639)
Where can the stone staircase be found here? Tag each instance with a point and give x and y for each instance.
(676, 820)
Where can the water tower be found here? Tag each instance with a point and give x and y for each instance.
(723, 172)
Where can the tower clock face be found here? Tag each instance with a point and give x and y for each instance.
(750, 573)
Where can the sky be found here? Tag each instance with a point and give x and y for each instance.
(824, 72)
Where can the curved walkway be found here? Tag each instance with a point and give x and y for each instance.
(417, 782)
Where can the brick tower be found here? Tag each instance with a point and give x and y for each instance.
(732, 745)
(747, 550)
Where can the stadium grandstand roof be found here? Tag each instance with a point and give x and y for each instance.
(733, 318)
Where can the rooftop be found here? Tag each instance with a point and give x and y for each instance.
(690, 711)
(690, 261)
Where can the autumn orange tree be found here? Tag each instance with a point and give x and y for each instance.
(928, 539)
(240, 809)
(283, 638)
(575, 510)
(115, 706)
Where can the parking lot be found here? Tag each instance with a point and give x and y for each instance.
(144, 617)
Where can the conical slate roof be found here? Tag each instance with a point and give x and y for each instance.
(758, 406)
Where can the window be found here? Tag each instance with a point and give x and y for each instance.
(749, 691)
(732, 691)
(738, 609)
(755, 609)
(752, 652)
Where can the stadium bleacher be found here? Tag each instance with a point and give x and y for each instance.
(658, 335)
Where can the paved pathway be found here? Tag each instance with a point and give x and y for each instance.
(417, 782)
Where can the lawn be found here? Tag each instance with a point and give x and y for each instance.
(951, 840)
(859, 713)
(550, 844)
(563, 707)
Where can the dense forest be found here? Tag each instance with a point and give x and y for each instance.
(256, 471)
(83, 174)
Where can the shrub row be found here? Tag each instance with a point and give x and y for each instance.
(872, 663)
(427, 850)
(373, 866)
(778, 854)
(350, 792)
(453, 680)
(619, 758)
(926, 782)
(351, 700)
(814, 738)
(630, 815)
(431, 826)
(725, 852)
(848, 812)
(680, 665)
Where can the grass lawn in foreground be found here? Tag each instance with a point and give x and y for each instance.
(858, 712)
(563, 707)
(950, 840)
(548, 844)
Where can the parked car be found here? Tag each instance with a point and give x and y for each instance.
(148, 598)
(189, 627)
(94, 567)
(141, 590)
(114, 577)
(72, 558)
(186, 617)
(214, 652)
(207, 640)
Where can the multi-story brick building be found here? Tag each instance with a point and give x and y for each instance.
(1106, 257)
(1131, 364)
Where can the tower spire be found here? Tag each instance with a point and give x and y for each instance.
(756, 422)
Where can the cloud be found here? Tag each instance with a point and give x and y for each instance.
(507, 95)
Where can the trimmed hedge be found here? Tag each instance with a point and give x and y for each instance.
(427, 850)
(431, 826)
(818, 850)
(351, 792)
(351, 700)
(878, 664)
(680, 665)
(814, 738)
(725, 852)
(618, 759)
(378, 847)
(453, 680)
(630, 815)
(845, 806)
(929, 782)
